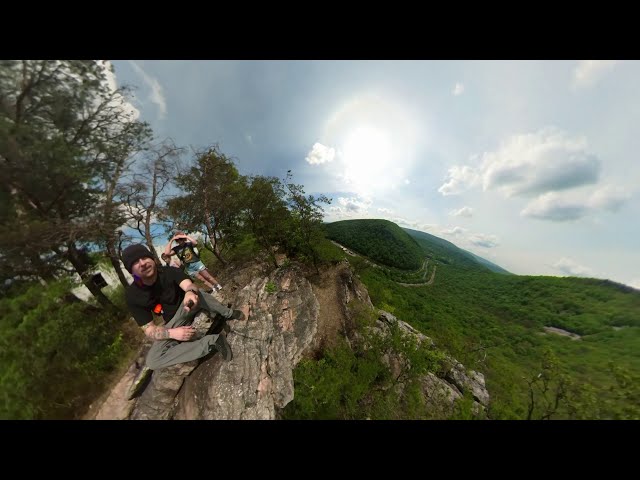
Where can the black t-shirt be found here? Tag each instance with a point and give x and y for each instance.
(141, 299)
(186, 253)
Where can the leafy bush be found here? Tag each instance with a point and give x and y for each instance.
(54, 352)
(358, 383)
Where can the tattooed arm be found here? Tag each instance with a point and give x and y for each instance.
(156, 332)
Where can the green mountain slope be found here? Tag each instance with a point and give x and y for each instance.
(382, 241)
(495, 324)
(490, 265)
(515, 329)
(443, 251)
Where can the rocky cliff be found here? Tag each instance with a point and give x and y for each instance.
(290, 317)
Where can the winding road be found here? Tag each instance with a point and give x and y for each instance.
(424, 266)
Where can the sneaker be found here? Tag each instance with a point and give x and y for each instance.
(139, 383)
(238, 315)
(218, 287)
(223, 347)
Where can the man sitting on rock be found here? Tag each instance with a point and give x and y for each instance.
(171, 292)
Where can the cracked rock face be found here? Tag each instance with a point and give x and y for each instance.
(266, 347)
(441, 393)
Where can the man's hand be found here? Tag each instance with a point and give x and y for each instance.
(183, 334)
(192, 297)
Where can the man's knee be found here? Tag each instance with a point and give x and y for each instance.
(155, 356)
(152, 363)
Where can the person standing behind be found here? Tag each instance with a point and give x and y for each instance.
(171, 262)
(186, 253)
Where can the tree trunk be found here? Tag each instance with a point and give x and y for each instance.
(115, 262)
(149, 238)
(214, 243)
(42, 268)
(219, 256)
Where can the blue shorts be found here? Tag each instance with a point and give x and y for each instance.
(195, 267)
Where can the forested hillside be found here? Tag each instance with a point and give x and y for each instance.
(382, 241)
(496, 323)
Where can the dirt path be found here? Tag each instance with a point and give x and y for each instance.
(424, 265)
(559, 331)
(113, 403)
(430, 282)
(331, 318)
(433, 276)
(344, 249)
(116, 406)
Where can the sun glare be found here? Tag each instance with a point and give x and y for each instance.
(367, 154)
(375, 139)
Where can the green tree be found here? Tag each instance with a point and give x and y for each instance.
(266, 215)
(625, 393)
(380, 240)
(144, 195)
(54, 351)
(64, 135)
(211, 199)
(306, 220)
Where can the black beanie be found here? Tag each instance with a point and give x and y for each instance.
(133, 253)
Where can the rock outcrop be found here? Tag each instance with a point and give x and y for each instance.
(289, 318)
(441, 392)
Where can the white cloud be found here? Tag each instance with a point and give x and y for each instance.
(462, 236)
(412, 224)
(555, 207)
(350, 207)
(609, 198)
(458, 89)
(112, 82)
(459, 180)
(570, 267)
(385, 210)
(539, 162)
(455, 231)
(588, 72)
(320, 154)
(354, 204)
(248, 138)
(482, 240)
(566, 206)
(635, 283)
(462, 212)
(529, 164)
(156, 95)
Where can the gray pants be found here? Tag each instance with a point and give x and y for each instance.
(164, 353)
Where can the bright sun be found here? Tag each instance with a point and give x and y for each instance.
(367, 154)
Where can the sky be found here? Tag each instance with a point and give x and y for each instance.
(530, 164)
